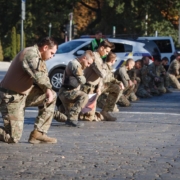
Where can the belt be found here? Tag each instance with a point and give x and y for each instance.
(7, 91)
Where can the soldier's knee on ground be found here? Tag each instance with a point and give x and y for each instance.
(123, 101)
(133, 97)
(5, 137)
(60, 117)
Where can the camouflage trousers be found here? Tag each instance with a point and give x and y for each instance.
(142, 92)
(110, 95)
(174, 82)
(73, 101)
(12, 108)
(160, 86)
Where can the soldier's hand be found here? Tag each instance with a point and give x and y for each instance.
(121, 86)
(130, 83)
(98, 91)
(49, 96)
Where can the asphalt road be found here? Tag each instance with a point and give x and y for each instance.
(143, 144)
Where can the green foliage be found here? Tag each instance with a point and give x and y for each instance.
(24, 40)
(1, 53)
(128, 17)
(18, 42)
(13, 43)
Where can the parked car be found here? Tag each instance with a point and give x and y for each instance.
(68, 51)
(164, 43)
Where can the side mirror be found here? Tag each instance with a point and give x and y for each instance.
(80, 52)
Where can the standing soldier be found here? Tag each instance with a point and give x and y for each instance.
(96, 42)
(174, 71)
(27, 84)
(72, 98)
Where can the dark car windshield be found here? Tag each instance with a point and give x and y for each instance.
(68, 46)
(151, 47)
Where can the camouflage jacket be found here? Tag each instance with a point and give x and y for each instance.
(26, 69)
(145, 77)
(123, 75)
(156, 71)
(35, 66)
(174, 68)
(109, 75)
(74, 75)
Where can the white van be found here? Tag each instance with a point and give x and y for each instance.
(164, 43)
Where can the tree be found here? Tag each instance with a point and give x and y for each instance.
(18, 43)
(1, 52)
(13, 43)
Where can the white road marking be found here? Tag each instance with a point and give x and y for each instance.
(127, 112)
(153, 113)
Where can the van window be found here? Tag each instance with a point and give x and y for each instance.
(119, 47)
(164, 45)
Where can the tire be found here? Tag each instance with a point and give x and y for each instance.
(56, 78)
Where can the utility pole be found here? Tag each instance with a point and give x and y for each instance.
(114, 31)
(50, 26)
(23, 3)
(70, 25)
(146, 24)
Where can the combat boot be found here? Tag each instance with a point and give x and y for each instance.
(74, 123)
(107, 116)
(37, 137)
(60, 117)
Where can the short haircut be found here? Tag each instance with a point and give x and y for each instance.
(129, 61)
(165, 59)
(110, 56)
(157, 58)
(49, 41)
(89, 55)
(105, 43)
(144, 58)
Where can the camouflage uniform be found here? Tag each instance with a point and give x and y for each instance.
(147, 81)
(141, 91)
(133, 77)
(156, 71)
(174, 73)
(111, 87)
(93, 75)
(72, 98)
(122, 75)
(12, 104)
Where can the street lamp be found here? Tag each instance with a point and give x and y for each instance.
(50, 26)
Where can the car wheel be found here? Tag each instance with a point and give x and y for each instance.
(56, 78)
